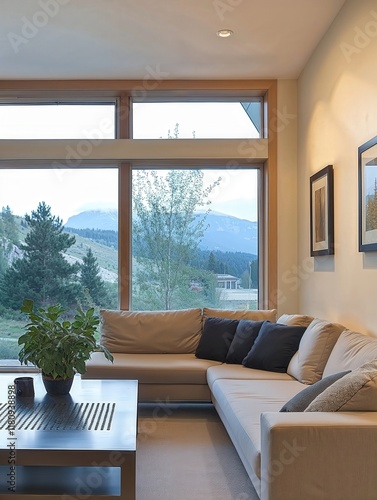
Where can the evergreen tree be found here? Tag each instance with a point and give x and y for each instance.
(42, 274)
(3, 263)
(9, 229)
(91, 280)
(254, 273)
(212, 265)
(2, 252)
(8, 238)
(1, 230)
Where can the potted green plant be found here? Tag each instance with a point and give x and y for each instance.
(60, 348)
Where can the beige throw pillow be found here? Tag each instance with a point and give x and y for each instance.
(295, 320)
(258, 315)
(149, 332)
(356, 391)
(352, 350)
(316, 344)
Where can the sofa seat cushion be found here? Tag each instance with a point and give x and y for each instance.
(351, 351)
(152, 332)
(240, 372)
(240, 404)
(150, 368)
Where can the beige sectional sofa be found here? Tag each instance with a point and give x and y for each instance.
(158, 349)
(328, 451)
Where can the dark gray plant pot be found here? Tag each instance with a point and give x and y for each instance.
(57, 386)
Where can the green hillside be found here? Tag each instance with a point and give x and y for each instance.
(106, 256)
(103, 245)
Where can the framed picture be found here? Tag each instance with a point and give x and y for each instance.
(368, 196)
(322, 212)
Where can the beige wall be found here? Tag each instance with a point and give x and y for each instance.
(337, 103)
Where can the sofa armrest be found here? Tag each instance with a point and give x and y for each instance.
(327, 456)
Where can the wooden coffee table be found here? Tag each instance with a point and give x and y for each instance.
(78, 446)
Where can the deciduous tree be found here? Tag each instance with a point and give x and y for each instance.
(166, 232)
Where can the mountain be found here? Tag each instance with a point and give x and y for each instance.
(230, 234)
(94, 219)
(223, 232)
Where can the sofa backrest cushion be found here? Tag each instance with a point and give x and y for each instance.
(315, 347)
(258, 315)
(295, 320)
(151, 332)
(352, 350)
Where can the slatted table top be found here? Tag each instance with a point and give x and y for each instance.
(97, 414)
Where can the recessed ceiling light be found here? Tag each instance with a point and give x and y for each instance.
(225, 33)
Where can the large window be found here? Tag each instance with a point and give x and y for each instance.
(189, 229)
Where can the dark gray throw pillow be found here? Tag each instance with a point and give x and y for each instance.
(303, 399)
(246, 332)
(216, 338)
(274, 347)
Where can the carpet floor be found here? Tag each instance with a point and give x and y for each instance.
(184, 452)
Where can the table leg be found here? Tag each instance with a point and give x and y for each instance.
(128, 477)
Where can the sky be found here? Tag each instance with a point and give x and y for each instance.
(200, 119)
(71, 191)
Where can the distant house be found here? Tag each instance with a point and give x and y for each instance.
(227, 281)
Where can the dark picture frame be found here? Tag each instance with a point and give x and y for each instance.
(367, 166)
(322, 212)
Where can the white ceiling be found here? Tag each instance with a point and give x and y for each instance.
(133, 39)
